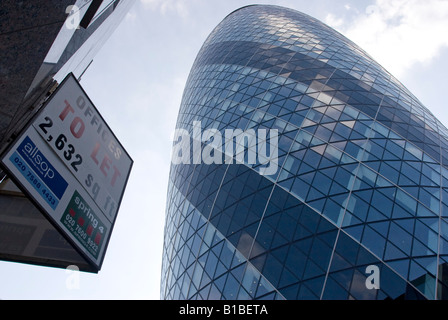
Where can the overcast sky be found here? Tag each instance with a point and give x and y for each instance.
(136, 81)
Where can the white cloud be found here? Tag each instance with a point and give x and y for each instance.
(333, 21)
(130, 16)
(179, 7)
(399, 33)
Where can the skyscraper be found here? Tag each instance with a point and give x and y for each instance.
(357, 205)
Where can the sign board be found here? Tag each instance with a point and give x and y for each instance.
(68, 161)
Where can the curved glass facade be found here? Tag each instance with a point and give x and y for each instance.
(358, 206)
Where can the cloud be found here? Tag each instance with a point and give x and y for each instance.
(398, 33)
(130, 16)
(179, 7)
(333, 21)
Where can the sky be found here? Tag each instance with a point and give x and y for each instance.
(136, 81)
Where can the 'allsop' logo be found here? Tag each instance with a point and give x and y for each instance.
(214, 150)
(42, 167)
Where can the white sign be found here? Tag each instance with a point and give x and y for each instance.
(72, 165)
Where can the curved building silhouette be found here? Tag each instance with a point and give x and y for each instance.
(356, 207)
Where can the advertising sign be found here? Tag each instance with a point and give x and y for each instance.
(73, 167)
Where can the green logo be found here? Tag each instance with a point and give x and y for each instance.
(82, 222)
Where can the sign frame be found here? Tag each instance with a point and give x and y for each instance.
(19, 156)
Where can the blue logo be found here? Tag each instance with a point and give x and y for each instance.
(42, 167)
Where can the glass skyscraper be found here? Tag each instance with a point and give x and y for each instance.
(358, 206)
